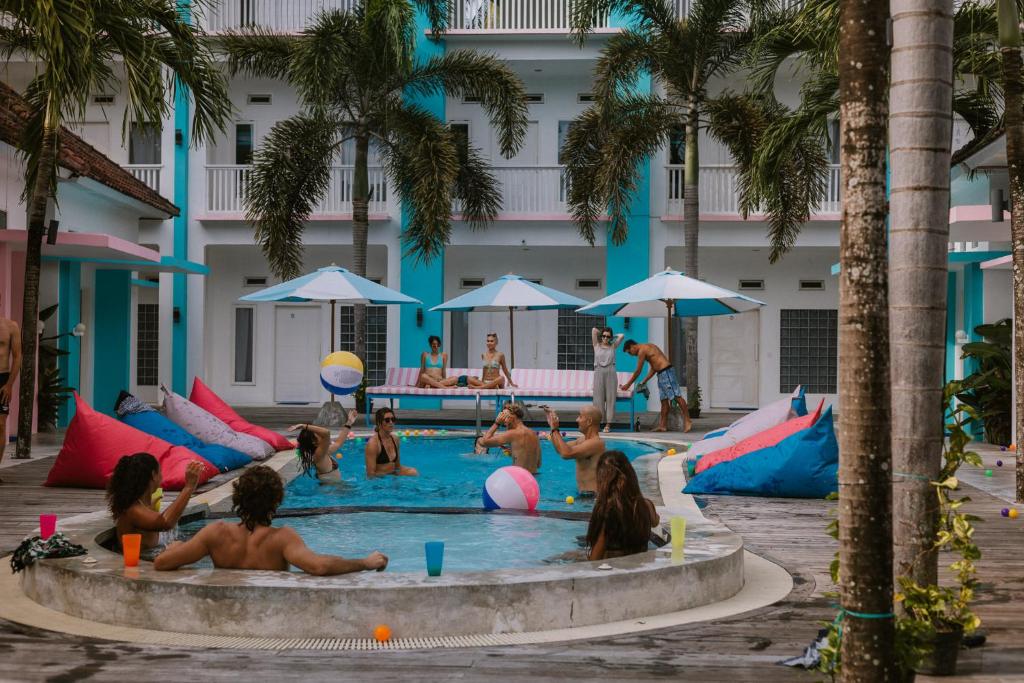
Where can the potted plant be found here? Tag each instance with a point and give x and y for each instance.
(693, 403)
(988, 390)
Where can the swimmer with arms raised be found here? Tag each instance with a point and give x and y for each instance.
(316, 448)
(585, 450)
(521, 441)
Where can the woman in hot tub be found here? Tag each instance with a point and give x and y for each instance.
(622, 519)
(382, 457)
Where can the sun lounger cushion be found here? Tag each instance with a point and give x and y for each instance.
(94, 442)
(768, 437)
(803, 465)
(204, 397)
(207, 427)
(771, 415)
(157, 424)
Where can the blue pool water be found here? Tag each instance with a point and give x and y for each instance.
(450, 476)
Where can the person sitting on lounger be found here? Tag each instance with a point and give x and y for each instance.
(494, 366)
(316, 449)
(584, 450)
(519, 441)
(434, 371)
(382, 457)
(131, 501)
(622, 518)
(253, 543)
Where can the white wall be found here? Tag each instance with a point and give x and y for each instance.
(998, 301)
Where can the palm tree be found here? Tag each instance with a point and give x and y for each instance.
(144, 47)
(624, 126)
(352, 72)
(865, 492)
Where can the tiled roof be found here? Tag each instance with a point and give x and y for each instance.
(78, 156)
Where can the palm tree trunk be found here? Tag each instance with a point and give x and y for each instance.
(865, 515)
(920, 120)
(360, 233)
(691, 231)
(41, 192)
(1013, 93)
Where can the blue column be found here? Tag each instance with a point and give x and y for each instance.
(974, 306)
(179, 288)
(112, 338)
(950, 326)
(425, 281)
(69, 314)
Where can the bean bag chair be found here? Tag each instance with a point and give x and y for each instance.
(210, 428)
(768, 437)
(204, 397)
(95, 442)
(771, 415)
(135, 413)
(804, 465)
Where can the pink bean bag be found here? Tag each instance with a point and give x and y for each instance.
(95, 442)
(766, 439)
(204, 397)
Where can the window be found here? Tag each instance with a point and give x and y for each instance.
(812, 285)
(244, 328)
(243, 144)
(259, 99)
(255, 281)
(147, 345)
(471, 99)
(588, 284)
(471, 282)
(585, 97)
(534, 98)
(677, 147)
(751, 284)
(563, 136)
(102, 99)
(575, 347)
(376, 339)
(144, 143)
(833, 141)
(809, 350)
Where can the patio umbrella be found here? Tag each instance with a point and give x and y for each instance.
(335, 285)
(511, 292)
(671, 293)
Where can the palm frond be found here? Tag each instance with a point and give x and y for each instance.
(977, 110)
(625, 57)
(477, 190)
(258, 52)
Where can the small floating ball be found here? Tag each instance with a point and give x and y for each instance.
(999, 463)
(988, 473)
(444, 431)
(1005, 512)
(382, 633)
(1013, 513)
(570, 500)
(1003, 448)
(671, 451)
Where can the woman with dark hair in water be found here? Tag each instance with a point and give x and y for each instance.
(382, 448)
(316, 448)
(622, 518)
(130, 497)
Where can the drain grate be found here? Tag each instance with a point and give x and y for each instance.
(357, 644)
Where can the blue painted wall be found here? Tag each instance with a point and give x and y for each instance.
(112, 337)
(974, 306)
(950, 326)
(179, 296)
(425, 281)
(69, 314)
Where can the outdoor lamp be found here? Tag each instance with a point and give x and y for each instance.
(419, 317)
(78, 330)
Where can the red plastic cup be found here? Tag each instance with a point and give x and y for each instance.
(131, 545)
(47, 526)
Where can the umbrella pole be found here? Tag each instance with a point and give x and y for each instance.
(512, 338)
(333, 332)
(668, 327)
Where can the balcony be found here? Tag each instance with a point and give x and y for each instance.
(227, 186)
(149, 174)
(530, 192)
(682, 7)
(280, 16)
(514, 16)
(718, 193)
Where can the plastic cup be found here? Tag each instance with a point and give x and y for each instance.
(435, 557)
(47, 526)
(678, 532)
(131, 545)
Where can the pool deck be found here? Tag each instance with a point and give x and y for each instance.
(744, 647)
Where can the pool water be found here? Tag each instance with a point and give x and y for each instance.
(473, 542)
(450, 476)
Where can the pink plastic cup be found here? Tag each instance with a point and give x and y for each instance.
(47, 526)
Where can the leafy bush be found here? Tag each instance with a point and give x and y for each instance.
(988, 390)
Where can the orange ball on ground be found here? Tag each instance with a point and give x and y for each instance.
(382, 633)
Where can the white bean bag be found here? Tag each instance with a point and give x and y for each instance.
(771, 415)
(209, 428)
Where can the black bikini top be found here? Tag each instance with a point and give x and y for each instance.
(383, 458)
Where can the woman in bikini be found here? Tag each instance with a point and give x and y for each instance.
(434, 367)
(316, 448)
(382, 457)
(494, 366)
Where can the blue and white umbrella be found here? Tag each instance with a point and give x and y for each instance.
(511, 292)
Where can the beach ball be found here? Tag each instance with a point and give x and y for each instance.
(341, 373)
(511, 488)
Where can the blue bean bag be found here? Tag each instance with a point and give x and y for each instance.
(137, 414)
(804, 465)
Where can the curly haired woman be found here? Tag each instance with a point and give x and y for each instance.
(622, 518)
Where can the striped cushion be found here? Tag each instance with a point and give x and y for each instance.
(541, 382)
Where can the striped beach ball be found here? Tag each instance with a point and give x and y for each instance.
(511, 488)
(341, 373)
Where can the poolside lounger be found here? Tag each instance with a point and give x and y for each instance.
(399, 383)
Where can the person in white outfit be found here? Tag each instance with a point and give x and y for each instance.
(606, 385)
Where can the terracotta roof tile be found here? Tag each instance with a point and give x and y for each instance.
(78, 156)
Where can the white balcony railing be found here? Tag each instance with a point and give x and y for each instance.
(227, 188)
(682, 7)
(147, 173)
(530, 191)
(514, 15)
(282, 16)
(718, 194)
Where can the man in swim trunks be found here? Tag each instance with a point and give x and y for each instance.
(585, 450)
(10, 366)
(668, 386)
(253, 543)
(519, 441)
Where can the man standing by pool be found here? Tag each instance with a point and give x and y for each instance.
(668, 386)
(518, 440)
(585, 450)
(10, 366)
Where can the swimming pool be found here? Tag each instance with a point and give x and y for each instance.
(450, 476)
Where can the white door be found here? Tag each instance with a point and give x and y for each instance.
(297, 354)
(734, 355)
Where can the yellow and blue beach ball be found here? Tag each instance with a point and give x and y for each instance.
(341, 373)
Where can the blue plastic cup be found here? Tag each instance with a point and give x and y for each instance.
(435, 557)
